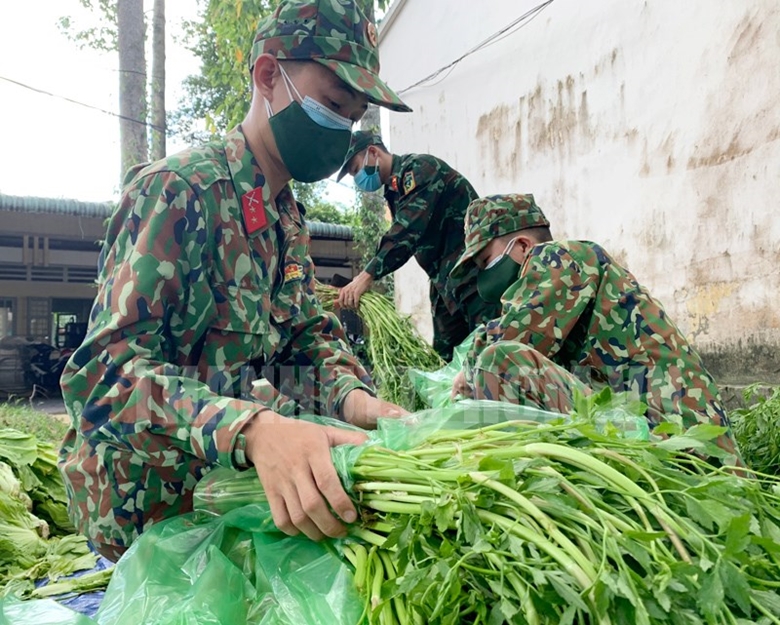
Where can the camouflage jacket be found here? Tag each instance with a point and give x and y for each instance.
(201, 272)
(576, 306)
(428, 201)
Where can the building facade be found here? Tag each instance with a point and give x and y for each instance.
(651, 127)
(48, 263)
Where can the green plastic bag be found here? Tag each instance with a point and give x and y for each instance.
(434, 387)
(225, 563)
(40, 612)
(202, 569)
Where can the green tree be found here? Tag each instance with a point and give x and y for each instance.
(312, 196)
(101, 37)
(221, 38)
(122, 28)
(220, 95)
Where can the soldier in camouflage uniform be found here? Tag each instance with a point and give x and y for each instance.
(205, 268)
(572, 318)
(428, 201)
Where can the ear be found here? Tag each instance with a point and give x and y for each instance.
(520, 249)
(265, 75)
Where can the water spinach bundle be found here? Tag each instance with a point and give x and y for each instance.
(393, 345)
(524, 523)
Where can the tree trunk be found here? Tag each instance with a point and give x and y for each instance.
(132, 83)
(158, 81)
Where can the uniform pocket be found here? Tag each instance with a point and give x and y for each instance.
(240, 310)
(239, 330)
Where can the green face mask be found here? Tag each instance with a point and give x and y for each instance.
(312, 140)
(310, 152)
(498, 276)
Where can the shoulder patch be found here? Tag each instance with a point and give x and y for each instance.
(409, 183)
(293, 271)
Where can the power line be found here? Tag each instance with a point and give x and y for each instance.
(89, 106)
(497, 36)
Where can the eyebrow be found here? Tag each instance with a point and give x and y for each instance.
(342, 86)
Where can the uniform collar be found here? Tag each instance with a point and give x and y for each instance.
(393, 186)
(248, 178)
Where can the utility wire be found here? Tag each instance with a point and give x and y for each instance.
(89, 106)
(497, 36)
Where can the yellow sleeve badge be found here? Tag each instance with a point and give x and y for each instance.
(293, 271)
(409, 183)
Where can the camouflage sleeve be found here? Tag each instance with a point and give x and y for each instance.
(544, 305)
(412, 216)
(153, 304)
(318, 367)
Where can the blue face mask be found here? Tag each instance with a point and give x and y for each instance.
(367, 179)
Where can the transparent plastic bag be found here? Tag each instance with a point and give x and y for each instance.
(224, 490)
(434, 387)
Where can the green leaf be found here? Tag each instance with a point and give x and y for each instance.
(769, 600)
(508, 610)
(542, 485)
(567, 618)
(567, 593)
(705, 432)
(710, 599)
(736, 586)
(679, 443)
(444, 516)
(668, 428)
(705, 564)
(737, 538)
(471, 525)
(17, 448)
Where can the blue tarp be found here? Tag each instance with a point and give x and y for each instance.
(88, 603)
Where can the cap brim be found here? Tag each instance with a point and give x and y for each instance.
(363, 81)
(466, 261)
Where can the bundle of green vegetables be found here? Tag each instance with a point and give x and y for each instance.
(37, 540)
(393, 345)
(757, 429)
(557, 524)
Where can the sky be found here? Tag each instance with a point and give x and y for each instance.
(53, 148)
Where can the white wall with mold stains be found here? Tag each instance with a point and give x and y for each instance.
(652, 127)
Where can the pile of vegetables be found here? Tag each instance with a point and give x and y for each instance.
(37, 540)
(558, 524)
(757, 429)
(393, 345)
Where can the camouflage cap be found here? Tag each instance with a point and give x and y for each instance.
(488, 218)
(334, 33)
(361, 139)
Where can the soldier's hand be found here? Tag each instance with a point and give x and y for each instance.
(349, 296)
(292, 459)
(461, 387)
(362, 409)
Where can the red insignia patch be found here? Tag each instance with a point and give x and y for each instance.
(394, 183)
(254, 210)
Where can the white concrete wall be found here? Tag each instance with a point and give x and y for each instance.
(652, 127)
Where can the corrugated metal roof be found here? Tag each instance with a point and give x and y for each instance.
(319, 230)
(55, 206)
